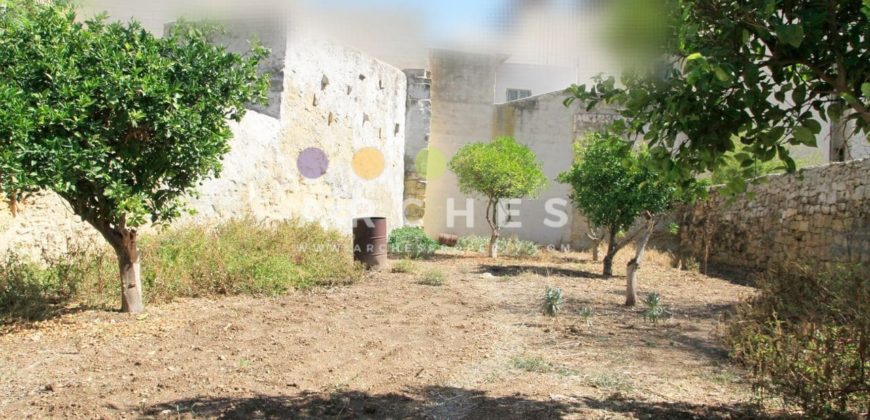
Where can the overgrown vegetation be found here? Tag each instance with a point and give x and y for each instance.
(553, 301)
(237, 257)
(411, 242)
(806, 337)
(508, 247)
(539, 365)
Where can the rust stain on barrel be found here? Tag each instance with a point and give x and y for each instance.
(370, 242)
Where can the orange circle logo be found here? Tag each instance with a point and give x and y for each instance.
(369, 163)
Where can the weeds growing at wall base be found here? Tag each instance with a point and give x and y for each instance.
(237, 257)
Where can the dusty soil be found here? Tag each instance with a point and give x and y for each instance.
(476, 347)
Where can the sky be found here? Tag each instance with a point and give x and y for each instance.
(443, 17)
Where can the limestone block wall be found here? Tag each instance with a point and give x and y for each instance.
(334, 99)
(818, 216)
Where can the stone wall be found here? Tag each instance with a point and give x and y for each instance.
(334, 99)
(818, 216)
(418, 118)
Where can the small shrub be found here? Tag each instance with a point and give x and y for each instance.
(432, 278)
(508, 247)
(404, 267)
(411, 242)
(552, 301)
(586, 313)
(655, 311)
(806, 338)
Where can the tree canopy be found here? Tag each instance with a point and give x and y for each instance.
(120, 123)
(763, 72)
(613, 186)
(498, 170)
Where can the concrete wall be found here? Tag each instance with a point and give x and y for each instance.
(545, 125)
(362, 105)
(462, 113)
(818, 216)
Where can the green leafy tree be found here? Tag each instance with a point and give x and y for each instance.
(121, 124)
(502, 169)
(765, 72)
(613, 187)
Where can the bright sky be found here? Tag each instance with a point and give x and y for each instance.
(444, 17)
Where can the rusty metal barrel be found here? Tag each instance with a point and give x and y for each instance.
(448, 240)
(370, 242)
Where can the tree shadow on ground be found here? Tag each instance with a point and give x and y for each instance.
(433, 402)
(518, 270)
(428, 402)
(675, 410)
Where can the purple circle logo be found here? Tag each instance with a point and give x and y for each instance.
(312, 163)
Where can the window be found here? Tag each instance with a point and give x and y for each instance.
(516, 94)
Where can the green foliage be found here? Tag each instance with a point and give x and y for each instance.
(806, 337)
(432, 278)
(498, 170)
(508, 247)
(719, 67)
(412, 242)
(553, 301)
(120, 123)
(738, 167)
(655, 311)
(404, 267)
(238, 257)
(611, 185)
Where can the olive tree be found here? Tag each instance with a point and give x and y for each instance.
(499, 170)
(121, 124)
(613, 187)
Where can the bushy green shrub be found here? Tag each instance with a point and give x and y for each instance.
(412, 242)
(237, 257)
(508, 247)
(806, 337)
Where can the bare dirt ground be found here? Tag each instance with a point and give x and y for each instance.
(476, 347)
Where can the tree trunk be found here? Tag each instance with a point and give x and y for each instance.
(493, 244)
(634, 264)
(131, 274)
(596, 238)
(611, 252)
(492, 219)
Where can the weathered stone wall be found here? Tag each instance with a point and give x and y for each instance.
(333, 98)
(418, 118)
(820, 215)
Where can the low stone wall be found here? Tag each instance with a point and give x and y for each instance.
(820, 215)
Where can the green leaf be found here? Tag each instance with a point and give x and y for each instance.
(865, 89)
(805, 136)
(791, 34)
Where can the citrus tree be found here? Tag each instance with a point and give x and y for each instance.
(499, 170)
(613, 187)
(121, 124)
(764, 72)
